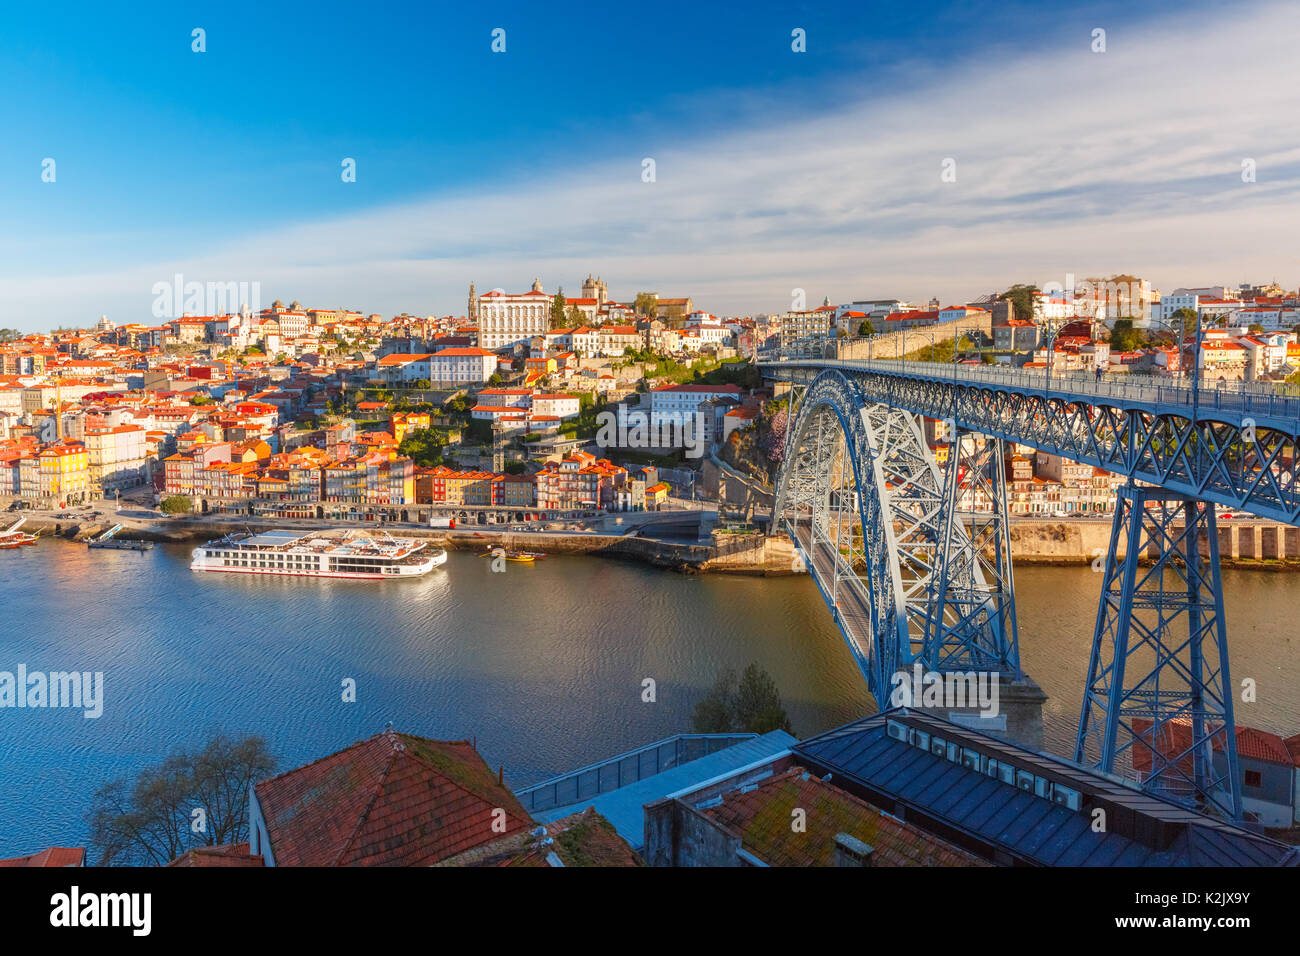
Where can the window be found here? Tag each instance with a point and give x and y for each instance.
(1254, 778)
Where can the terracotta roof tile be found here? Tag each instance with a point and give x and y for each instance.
(392, 800)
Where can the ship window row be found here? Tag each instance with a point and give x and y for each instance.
(290, 562)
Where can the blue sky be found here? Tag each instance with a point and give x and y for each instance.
(775, 169)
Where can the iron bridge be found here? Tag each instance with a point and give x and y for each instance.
(914, 561)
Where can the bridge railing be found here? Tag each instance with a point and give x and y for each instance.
(597, 778)
(1246, 398)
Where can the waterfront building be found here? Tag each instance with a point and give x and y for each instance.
(117, 458)
(580, 481)
(62, 473)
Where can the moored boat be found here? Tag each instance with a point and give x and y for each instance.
(324, 554)
(12, 538)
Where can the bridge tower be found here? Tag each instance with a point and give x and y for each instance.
(972, 600)
(1158, 695)
(914, 563)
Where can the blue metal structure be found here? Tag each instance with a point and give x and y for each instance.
(1158, 674)
(919, 569)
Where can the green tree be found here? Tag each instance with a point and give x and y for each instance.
(1123, 337)
(866, 328)
(1021, 297)
(424, 446)
(557, 309)
(645, 304)
(575, 316)
(748, 704)
(176, 505)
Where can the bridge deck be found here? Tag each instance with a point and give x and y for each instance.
(1262, 401)
(850, 605)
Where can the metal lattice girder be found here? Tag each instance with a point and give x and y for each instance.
(1159, 695)
(972, 605)
(861, 496)
(1236, 447)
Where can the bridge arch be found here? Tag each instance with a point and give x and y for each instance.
(863, 589)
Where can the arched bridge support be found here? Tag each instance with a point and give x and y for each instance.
(914, 562)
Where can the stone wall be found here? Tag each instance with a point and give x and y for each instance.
(896, 344)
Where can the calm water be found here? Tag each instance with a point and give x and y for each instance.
(543, 664)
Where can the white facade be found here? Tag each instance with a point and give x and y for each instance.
(674, 402)
(461, 366)
(506, 319)
(560, 406)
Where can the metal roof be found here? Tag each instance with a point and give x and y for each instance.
(1021, 823)
(624, 807)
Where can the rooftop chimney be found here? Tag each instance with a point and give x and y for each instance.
(850, 851)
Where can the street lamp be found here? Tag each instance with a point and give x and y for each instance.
(1051, 329)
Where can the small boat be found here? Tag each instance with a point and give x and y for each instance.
(12, 538)
(523, 557)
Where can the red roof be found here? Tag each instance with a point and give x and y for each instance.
(228, 855)
(54, 856)
(394, 799)
(1175, 740)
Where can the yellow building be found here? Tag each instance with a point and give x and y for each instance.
(63, 472)
(403, 423)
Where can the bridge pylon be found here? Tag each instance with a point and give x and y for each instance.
(1158, 694)
(972, 600)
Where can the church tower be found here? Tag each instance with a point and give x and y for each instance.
(472, 312)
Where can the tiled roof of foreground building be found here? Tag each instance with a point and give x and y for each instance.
(392, 800)
(761, 817)
(584, 838)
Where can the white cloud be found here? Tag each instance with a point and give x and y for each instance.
(1067, 161)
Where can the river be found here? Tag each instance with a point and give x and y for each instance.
(543, 665)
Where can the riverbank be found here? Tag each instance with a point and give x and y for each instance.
(1243, 544)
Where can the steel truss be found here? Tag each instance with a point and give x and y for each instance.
(973, 604)
(1158, 690)
(1244, 459)
(886, 541)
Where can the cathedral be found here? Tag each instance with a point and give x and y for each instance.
(595, 289)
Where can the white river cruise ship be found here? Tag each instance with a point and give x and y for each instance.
(325, 554)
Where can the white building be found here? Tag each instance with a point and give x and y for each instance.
(557, 405)
(507, 319)
(676, 403)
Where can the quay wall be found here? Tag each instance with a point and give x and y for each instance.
(1248, 544)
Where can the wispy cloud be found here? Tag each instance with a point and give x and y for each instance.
(1066, 161)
